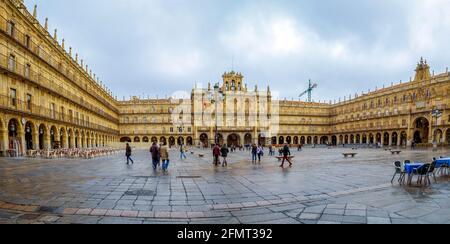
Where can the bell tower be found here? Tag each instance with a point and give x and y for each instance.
(233, 81)
(422, 71)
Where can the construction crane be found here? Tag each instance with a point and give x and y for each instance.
(311, 87)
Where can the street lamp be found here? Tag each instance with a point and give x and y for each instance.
(218, 95)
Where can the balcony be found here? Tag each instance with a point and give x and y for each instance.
(27, 108)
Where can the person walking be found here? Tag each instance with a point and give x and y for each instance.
(224, 151)
(271, 151)
(182, 152)
(164, 152)
(286, 154)
(128, 154)
(254, 151)
(154, 151)
(216, 155)
(260, 152)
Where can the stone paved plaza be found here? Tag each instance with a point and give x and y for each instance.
(323, 187)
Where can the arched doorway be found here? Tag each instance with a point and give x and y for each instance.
(53, 143)
(386, 139)
(14, 137)
(281, 140)
(358, 139)
(309, 140)
(395, 139)
(274, 140)
(289, 140)
(154, 140)
(180, 141)
(371, 139)
(62, 138)
(163, 141)
(233, 140)
(204, 140)
(316, 140)
(29, 130)
(334, 140)
(346, 139)
(125, 139)
(248, 139)
(171, 141)
(302, 140)
(296, 141)
(364, 139)
(137, 139)
(421, 130)
(190, 141)
(262, 139)
(220, 139)
(341, 139)
(438, 136)
(145, 139)
(379, 138)
(352, 139)
(42, 135)
(77, 139)
(324, 140)
(403, 138)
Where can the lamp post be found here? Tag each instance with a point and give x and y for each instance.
(218, 93)
(436, 114)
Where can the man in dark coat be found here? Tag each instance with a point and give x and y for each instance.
(224, 151)
(154, 150)
(286, 154)
(128, 154)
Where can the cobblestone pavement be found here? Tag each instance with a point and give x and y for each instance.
(323, 187)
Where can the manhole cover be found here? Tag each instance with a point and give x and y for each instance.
(140, 193)
(47, 209)
(189, 177)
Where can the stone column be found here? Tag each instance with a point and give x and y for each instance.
(4, 141)
(390, 139)
(35, 138)
(47, 143)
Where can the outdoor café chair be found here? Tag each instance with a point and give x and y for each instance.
(422, 172)
(400, 170)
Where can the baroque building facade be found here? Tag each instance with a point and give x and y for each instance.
(50, 99)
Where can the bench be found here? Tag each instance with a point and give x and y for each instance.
(349, 154)
(395, 152)
(281, 158)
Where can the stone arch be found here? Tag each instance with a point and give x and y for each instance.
(190, 141)
(42, 136)
(296, 141)
(204, 140)
(394, 138)
(288, 140)
(233, 140)
(352, 139)
(154, 139)
(403, 138)
(172, 141)
(364, 139)
(324, 140)
(341, 139)
(316, 140)
(346, 140)
(371, 138)
(15, 134)
(281, 140)
(136, 139)
(421, 130)
(248, 139)
(77, 139)
(274, 140)
(54, 138)
(262, 139)
(378, 139)
(125, 139)
(309, 140)
(163, 140)
(145, 139)
(62, 137)
(302, 140)
(386, 138)
(334, 140)
(180, 141)
(358, 139)
(30, 135)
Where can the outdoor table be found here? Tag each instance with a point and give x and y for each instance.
(442, 162)
(409, 169)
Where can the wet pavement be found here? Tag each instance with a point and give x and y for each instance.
(322, 187)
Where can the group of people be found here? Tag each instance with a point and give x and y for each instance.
(159, 155)
(220, 152)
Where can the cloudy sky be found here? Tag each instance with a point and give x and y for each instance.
(158, 47)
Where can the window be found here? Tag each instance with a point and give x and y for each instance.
(12, 62)
(52, 110)
(189, 129)
(11, 28)
(404, 122)
(77, 118)
(87, 120)
(70, 115)
(13, 96)
(29, 97)
(27, 70)
(171, 129)
(62, 113)
(27, 41)
(82, 119)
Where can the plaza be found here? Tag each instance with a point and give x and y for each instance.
(322, 187)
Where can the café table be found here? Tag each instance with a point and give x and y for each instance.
(409, 169)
